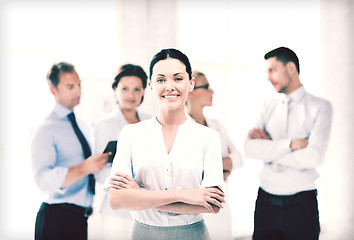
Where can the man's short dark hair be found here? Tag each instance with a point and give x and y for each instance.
(284, 55)
(57, 69)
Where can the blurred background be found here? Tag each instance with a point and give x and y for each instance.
(225, 39)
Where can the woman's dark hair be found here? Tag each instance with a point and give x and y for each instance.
(284, 55)
(129, 70)
(171, 53)
(57, 69)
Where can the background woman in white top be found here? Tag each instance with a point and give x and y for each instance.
(201, 97)
(128, 87)
(168, 171)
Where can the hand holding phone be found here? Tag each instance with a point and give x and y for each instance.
(111, 147)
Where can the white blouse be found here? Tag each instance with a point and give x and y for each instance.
(107, 129)
(228, 148)
(193, 162)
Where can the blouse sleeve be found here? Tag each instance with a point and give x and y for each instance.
(233, 152)
(122, 161)
(213, 173)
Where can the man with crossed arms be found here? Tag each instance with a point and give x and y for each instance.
(290, 136)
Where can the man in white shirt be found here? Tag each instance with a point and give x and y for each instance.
(290, 136)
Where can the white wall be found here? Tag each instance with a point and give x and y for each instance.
(337, 61)
(226, 39)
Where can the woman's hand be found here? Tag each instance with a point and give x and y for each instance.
(123, 181)
(206, 197)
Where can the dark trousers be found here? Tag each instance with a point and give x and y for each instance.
(61, 221)
(291, 217)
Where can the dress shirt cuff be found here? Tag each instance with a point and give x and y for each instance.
(52, 179)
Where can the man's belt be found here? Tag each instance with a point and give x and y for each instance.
(284, 200)
(86, 212)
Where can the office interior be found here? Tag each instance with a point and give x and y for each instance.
(225, 39)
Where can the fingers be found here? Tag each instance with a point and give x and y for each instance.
(124, 181)
(216, 197)
(257, 133)
(119, 181)
(216, 203)
(106, 154)
(209, 207)
(126, 176)
(216, 190)
(116, 187)
(298, 143)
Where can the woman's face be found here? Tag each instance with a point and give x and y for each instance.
(170, 83)
(129, 92)
(202, 94)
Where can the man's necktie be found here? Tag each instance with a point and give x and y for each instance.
(85, 147)
(283, 125)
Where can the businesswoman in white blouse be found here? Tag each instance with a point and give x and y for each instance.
(202, 96)
(168, 172)
(128, 86)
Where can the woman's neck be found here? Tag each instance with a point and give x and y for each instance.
(171, 118)
(130, 115)
(196, 113)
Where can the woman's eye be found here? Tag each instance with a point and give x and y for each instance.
(137, 89)
(179, 79)
(160, 80)
(124, 89)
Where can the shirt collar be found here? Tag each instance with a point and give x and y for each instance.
(297, 94)
(61, 111)
(119, 114)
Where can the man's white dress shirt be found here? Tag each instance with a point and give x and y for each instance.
(287, 172)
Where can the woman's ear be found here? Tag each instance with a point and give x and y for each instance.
(191, 84)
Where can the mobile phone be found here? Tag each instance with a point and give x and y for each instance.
(111, 147)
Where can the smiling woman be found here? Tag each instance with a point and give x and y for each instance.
(179, 173)
(171, 84)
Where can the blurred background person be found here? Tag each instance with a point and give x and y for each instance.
(200, 97)
(62, 163)
(290, 136)
(128, 86)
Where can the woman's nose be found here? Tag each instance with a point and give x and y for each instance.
(170, 85)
